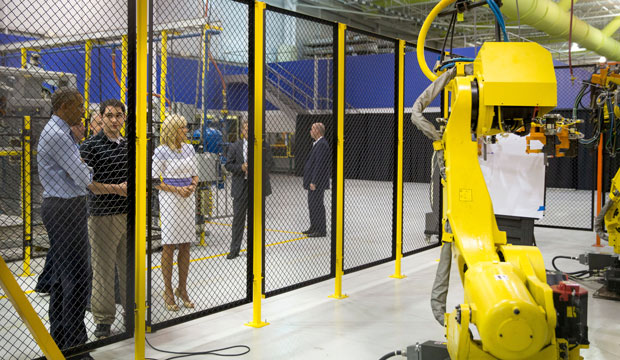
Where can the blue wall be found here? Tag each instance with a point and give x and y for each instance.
(369, 78)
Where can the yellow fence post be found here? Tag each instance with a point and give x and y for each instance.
(87, 74)
(24, 60)
(205, 68)
(257, 220)
(400, 60)
(163, 73)
(340, 58)
(30, 318)
(141, 178)
(26, 198)
(124, 50)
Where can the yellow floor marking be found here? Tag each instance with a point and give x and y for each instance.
(214, 256)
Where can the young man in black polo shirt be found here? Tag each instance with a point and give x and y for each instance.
(106, 153)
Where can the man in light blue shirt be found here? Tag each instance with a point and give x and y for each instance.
(64, 211)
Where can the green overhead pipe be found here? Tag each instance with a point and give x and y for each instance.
(548, 17)
(612, 27)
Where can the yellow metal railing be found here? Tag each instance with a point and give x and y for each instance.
(26, 312)
(164, 73)
(340, 164)
(124, 51)
(141, 178)
(400, 112)
(87, 75)
(257, 221)
(26, 197)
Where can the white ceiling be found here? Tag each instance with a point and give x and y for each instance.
(404, 18)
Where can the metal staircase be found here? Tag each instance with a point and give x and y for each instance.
(288, 93)
(285, 91)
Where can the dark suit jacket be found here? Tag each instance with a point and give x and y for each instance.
(318, 166)
(234, 160)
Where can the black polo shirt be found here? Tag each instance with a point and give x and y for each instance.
(109, 161)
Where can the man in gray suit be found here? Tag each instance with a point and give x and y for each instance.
(237, 164)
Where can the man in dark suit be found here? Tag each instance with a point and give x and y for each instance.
(237, 164)
(317, 173)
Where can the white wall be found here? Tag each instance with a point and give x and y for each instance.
(277, 121)
(63, 17)
(57, 18)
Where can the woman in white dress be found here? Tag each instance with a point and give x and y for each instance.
(174, 163)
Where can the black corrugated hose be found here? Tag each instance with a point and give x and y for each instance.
(391, 354)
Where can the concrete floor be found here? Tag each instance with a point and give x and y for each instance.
(381, 314)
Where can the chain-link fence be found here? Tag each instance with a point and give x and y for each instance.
(199, 192)
(64, 158)
(570, 183)
(421, 188)
(298, 94)
(201, 92)
(369, 149)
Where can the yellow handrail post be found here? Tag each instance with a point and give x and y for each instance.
(163, 73)
(30, 318)
(205, 69)
(24, 60)
(400, 54)
(340, 58)
(141, 178)
(124, 51)
(87, 74)
(27, 198)
(257, 220)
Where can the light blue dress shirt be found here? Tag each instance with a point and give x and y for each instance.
(62, 172)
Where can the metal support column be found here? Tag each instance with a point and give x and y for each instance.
(124, 48)
(141, 179)
(398, 215)
(88, 48)
(257, 186)
(340, 60)
(26, 196)
(162, 77)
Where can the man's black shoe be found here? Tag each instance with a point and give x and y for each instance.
(42, 290)
(231, 256)
(316, 234)
(307, 232)
(102, 330)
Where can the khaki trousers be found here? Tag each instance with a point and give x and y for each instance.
(108, 242)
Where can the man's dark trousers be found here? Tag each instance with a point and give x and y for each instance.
(240, 210)
(66, 222)
(316, 208)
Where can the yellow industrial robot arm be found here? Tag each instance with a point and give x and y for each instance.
(509, 87)
(610, 216)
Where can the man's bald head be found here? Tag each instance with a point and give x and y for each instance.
(317, 130)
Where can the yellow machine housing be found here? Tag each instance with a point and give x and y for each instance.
(511, 86)
(612, 216)
(506, 294)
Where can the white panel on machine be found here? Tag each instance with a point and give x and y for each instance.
(515, 179)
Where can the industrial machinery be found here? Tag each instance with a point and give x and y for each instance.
(24, 111)
(608, 218)
(210, 143)
(603, 114)
(20, 90)
(509, 310)
(603, 109)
